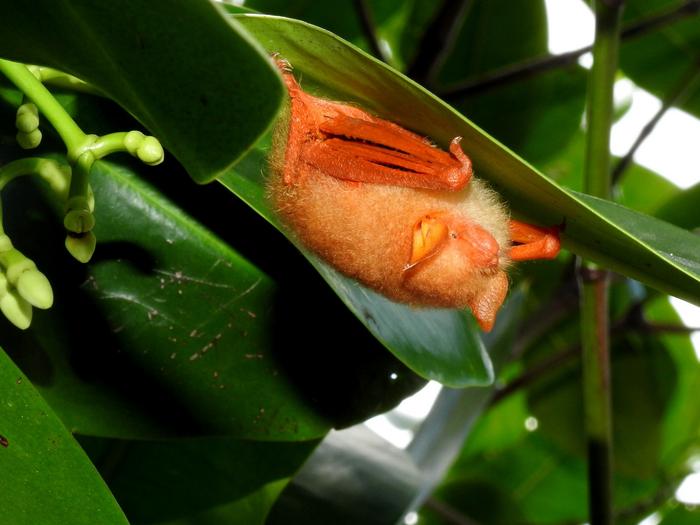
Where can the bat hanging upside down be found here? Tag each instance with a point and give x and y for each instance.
(383, 205)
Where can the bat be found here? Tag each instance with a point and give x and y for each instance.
(383, 205)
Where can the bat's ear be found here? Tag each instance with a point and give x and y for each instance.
(486, 303)
(429, 236)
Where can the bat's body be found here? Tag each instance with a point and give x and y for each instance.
(384, 206)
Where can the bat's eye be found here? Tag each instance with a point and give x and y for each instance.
(453, 235)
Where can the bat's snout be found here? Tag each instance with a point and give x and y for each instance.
(480, 247)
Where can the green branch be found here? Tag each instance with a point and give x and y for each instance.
(60, 79)
(71, 134)
(593, 281)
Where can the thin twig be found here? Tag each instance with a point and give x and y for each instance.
(662, 18)
(529, 68)
(369, 28)
(681, 91)
(437, 41)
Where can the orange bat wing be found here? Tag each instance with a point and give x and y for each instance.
(380, 152)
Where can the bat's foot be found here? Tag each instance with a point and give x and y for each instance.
(533, 242)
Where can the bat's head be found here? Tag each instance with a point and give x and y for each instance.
(457, 263)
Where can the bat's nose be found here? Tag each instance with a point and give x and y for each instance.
(481, 247)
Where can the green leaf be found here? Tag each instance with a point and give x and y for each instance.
(654, 376)
(659, 60)
(45, 476)
(639, 246)
(682, 209)
(251, 509)
(193, 77)
(681, 515)
(680, 427)
(522, 477)
(153, 480)
(645, 379)
(169, 332)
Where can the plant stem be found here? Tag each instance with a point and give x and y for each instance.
(678, 94)
(72, 136)
(599, 115)
(593, 281)
(364, 13)
(529, 68)
(596, 392)
(60, 79)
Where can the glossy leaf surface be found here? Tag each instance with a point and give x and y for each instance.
(45, 476)
(236, 479)
(178, 335)
(207, 114)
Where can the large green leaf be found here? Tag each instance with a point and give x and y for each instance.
(238, 479)
(169, 332)
(193, 77)
(45, 477)
(251, 509)
(681, 515)
(680, 427)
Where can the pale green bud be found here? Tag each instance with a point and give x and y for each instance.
(151, 152)
(35, 288)
(81, 246)
(27, 118)
(17, 310)
(29, 140)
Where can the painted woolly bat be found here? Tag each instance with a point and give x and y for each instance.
(383, 205)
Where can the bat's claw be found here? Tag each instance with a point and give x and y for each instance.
(282, 63)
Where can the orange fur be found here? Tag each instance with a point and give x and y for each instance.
(358, 207)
